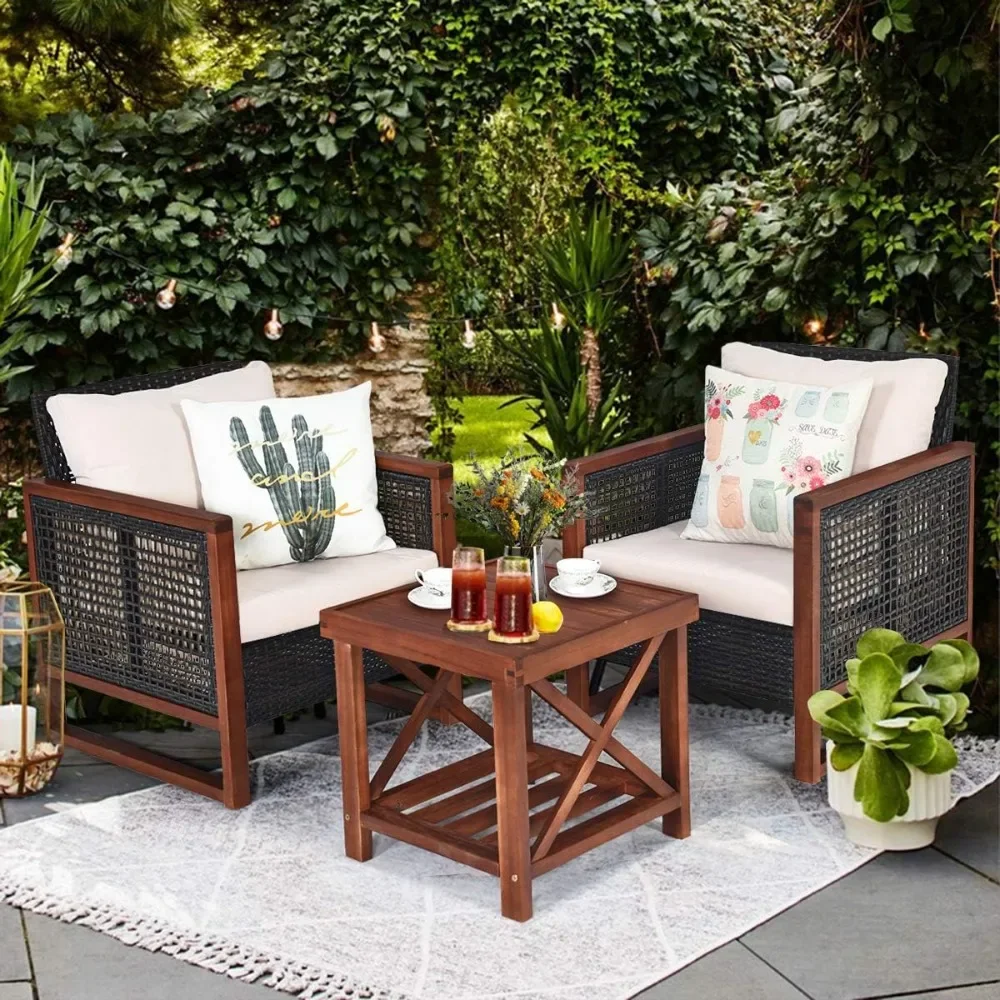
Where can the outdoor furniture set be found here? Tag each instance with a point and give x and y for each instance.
(158, 613)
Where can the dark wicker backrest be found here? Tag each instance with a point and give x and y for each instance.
(54, 458)
(944, 415)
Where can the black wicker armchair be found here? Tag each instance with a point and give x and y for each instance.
(148, 592)
(888, 547)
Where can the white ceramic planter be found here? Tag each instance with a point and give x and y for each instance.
(930, 798)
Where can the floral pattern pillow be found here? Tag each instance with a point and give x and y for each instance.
(765, 443)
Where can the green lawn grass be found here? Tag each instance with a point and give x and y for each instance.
(487, 433)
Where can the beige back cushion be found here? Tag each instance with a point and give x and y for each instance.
(137, 442)
(900, 414)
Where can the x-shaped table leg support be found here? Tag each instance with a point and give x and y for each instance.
(601, 740)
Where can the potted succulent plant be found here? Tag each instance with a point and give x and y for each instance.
(889, 752)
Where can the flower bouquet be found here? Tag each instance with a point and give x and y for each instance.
(523, 500)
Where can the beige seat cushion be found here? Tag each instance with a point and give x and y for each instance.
(900, 414)
(282, 599)
(137, 442)
(753, 581)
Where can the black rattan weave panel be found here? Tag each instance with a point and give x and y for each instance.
(293, 671)
(54, 459)
(895, 558)
(741, 658)
(738, 659)
(645, 494)
(944, 415)
(135, 598)
(405, 504)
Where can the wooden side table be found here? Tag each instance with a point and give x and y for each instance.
(505, 810)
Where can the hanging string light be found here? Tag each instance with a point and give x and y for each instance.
(468, 336)
(273, 328)
(376, 342)
(64, 253)
(166, 297)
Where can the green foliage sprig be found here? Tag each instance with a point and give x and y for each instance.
(904, 701)
(24, 273)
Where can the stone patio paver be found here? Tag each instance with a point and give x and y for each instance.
(731, 971)
(987, 991)
(75, 963)
(969, 833)
(900, 924)
(16, 991)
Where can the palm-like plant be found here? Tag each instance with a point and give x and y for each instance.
(587, 266)
(22, 221)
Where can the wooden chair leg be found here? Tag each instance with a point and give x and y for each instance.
(808, 741)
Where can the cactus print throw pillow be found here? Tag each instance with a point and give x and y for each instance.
(765, 443)
(297, 475)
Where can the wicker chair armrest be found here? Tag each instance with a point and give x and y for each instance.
(414, 500)
(637, 487)
(891, 548)
(147, 591)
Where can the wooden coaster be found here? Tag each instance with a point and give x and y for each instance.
(513, 640)
(485, 626)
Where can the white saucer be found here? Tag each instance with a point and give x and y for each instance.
(423, 598)
(601, 584)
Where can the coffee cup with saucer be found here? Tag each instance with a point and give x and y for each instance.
(434, 592)
(577, 574)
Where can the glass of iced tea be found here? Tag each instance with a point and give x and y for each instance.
(468, 586)
(512, 606)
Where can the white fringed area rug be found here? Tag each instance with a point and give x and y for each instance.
(266, 895)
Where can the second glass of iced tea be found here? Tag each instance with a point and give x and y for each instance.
(468, 586)
(512, 605)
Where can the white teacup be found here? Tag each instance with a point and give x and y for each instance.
(578, 573)
(437, 580)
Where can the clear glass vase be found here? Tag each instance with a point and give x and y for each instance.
(539, 585)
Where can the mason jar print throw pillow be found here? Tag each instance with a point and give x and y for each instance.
(765, 443)
(297, 475)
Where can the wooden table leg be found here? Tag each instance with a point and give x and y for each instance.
(511, 763)
(578, 685)
(674, 728)
(353, 728)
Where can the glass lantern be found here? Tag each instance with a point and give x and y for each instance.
(32, 706)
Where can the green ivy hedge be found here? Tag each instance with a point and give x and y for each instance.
(316, 185)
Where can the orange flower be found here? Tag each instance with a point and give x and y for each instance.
(479, 492)
(507, 474)
(554, 498)
(501, 503)
(537, 474)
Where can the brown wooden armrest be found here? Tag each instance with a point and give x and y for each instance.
(883, 475)
(422, 467)
(636, 450)
(131, 506)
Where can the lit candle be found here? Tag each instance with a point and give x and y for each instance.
(10, 729)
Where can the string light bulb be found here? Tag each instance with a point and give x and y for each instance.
(376, 342)
(814, 328)
(64, 253)
(468, 336)
(273, 328)
(558, 320)
(166, 297)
